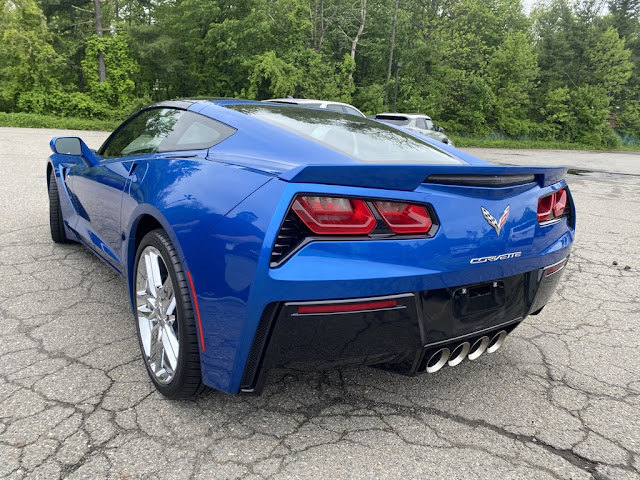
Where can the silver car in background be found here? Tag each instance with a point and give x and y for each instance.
(339, 107)
(417, 122)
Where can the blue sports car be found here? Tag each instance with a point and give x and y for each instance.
(255, 235)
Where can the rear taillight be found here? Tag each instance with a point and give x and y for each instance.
(403, 217)
(552, 206)
(312, 216)
(334, 215)
(560, 203)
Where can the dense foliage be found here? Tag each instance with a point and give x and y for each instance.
(567, 71)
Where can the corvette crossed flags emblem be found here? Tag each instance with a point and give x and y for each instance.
(497, 225)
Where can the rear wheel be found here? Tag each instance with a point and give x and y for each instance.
(56, 222)
(165, 319)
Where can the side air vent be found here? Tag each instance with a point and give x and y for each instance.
(481, 180)
(256, 354)
(292, 233)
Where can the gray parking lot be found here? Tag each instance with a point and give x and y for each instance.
(560, 400)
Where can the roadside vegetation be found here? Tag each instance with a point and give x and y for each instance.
(567, 73)
(491, 142)
(34, 120)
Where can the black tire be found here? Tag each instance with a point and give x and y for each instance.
(56, 222)
(186, 377)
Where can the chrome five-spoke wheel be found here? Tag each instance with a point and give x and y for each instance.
(165, 319)
(156, 306)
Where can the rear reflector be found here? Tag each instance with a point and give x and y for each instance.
(347, 307)
(555, 268)
(334, 215)
(404, 217)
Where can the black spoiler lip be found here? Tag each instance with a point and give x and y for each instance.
(409, 177)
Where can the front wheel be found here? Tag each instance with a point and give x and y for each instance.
(165, 319)
(56, 222)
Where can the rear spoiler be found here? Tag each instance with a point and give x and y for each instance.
(409, 177)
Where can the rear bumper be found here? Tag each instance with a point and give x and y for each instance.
(402, 337)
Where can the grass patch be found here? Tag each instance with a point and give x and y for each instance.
(32, 120)
(532, 144)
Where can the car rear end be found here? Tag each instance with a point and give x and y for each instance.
(410, 268)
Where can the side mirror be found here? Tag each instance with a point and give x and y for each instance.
(67, 146)
(74, 146)
(437, 128)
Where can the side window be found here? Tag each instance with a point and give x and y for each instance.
(195, 132)
(352, 111)
(141, 134)
(335, 107)
(420, 123)
(165, 130)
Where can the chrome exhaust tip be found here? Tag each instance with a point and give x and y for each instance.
(497, 341)
(437, 360)
(478, 347)
(459, 354)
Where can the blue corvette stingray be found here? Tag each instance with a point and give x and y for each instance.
(254, 235)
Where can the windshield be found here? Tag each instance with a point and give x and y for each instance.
(360, 138)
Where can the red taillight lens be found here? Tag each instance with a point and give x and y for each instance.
(552, 206)
(334, 215)
(545, 208)
(559, 203)
(404, 217)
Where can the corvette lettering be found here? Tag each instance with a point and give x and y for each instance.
(504, 256)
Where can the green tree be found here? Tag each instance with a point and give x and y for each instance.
(609, 63)
(512, 72)
(27, 58)
(118, 88)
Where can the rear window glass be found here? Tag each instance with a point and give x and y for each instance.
(393, 120)
(334, 107)
(352, 111)
(365, 140)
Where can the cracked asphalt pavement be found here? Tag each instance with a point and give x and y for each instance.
(560, 400)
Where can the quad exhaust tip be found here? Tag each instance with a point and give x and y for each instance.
(444, 356)
(496, 341)
(459, 354)
(479, 347)
(438, 360)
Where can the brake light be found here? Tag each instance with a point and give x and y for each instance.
(552, 206)
(334, 215)
(560, 203)
(404, 217)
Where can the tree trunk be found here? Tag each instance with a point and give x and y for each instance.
(354, 42)
(102, 69)
(393, 43)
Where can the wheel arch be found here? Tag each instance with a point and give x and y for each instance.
(144, 221)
